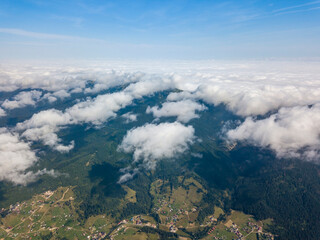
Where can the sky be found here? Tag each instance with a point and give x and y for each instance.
(166, 29)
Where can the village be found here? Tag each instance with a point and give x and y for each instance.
(53, 213)
(218, 230)
(177, 210)
(249, 229)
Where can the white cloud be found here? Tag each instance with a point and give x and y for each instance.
(130, 117)
(25, 98)
(15, 158)
(51, 117)
(295, 8)
(61, 94)
(247, 98)
(52, 97)
(151, 142)
(47, 135)
(53, 77)
(100, 109)
(184, 110)
(22, 99)
(246, 88)
(292, 132)
(128, 174)
(259, 98)
(250, 89)
(2, 113)
(51, 173)
(76, 90)
(149, 85)
(43, 126)
(103, 107)
(22, 32)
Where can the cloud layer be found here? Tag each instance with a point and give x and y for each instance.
(251, 89)
(43, 126)
(289, 91)
(54, 77)
(247, 88)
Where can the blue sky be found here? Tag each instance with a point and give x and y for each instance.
(175, 29)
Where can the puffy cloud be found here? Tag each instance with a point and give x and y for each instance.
(130, 117)
(105, 106)
(100, 109)
(292, 132)
(25, 98)
(179, 96)
(43, 126)
(259, 98)
(149, 85)
(46, 134)
(253, 98)
(246, 88)
(67, 76)
(250, 89)
(61, 94)
(2, 113)
(76, 90)
(52, 97)
(151, 142)
(128, 174)
(51, 117)
(22, 99)
(15, 158)
(185, 110)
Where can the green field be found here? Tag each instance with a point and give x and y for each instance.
(55, 215)
(50, 216)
